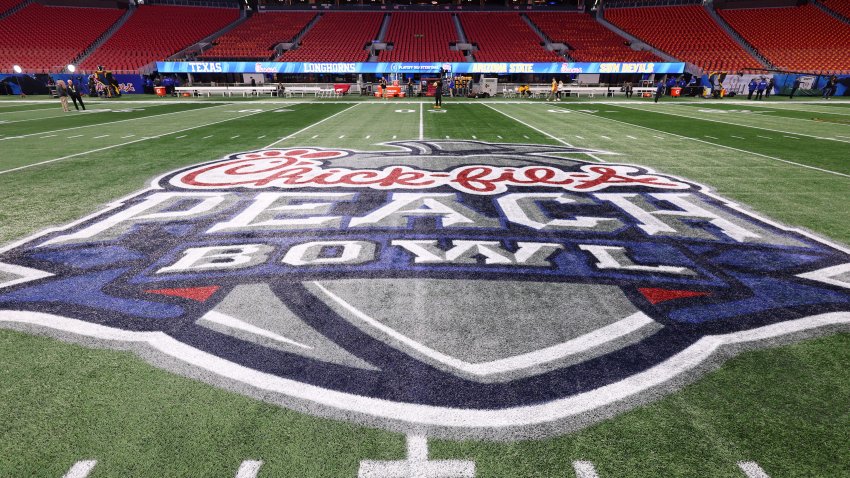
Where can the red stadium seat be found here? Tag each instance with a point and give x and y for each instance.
(504, 37)
(795, 38)
(685, 32)
(256, 37)
(589, 39)
(44, 39)
(155, 32)
(332, 38)
(421, 37)
(839, 6)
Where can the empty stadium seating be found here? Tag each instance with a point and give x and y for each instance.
(504, 37)
(590, 40)
(43, 39)
(421, 37)
(256, 37)
(796, 38)
(335, 38)
(6, 5)
(155, 32)
(839, 6)
(687, 33)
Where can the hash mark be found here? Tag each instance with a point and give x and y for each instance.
(75, 136)
(249, 469)
(603, 136)
(525, 136)
(205, 137)
(579, 137)
(341, 136)
(739, 137)
(790, 137)
(234, 137)
(131, 135)
(765, 137)
(712, 137)
(80, 469)
(447, 137)
(101, 136)
(314, 136)
(498, 136)
(48, 136)
(631, 137)
(394, 136)
(584, 469)
(261, 137)
(474, 137)
(180, 137)
(659, 137)
(752, 469)
(368, 136)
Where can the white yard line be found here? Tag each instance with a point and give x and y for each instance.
(421, 123)
(144, 138)
(81, 469)
(107, 123)
(752, 469)
(700, 118)
(724, 146)
(312, 125)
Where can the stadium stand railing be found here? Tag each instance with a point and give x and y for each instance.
(504, 37)
(801, 38)
(686, 32)
(44, 39)
(840, 7)
(333, 39)
(8, 7)
(419, 36)
(258, 35)
(588, 39)
(155, 32)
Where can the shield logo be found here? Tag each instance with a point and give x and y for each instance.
(449, 288)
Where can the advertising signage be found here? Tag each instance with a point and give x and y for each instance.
(429, 68)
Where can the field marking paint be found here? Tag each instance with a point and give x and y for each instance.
(525, 136)
(789, 137)
(75, 136)
(368, 136)
(101, 136)
(699, 118)
(763, 137)
(312, 125)
(630, 137)
(394, 136)
(341, 136)
(108, 123)
(498, 136)
(206, 137)
(738, 137)
(579, 137)
(314, 136)
(48, 136)
(143, 138)
(128, 136)
(417, 464)
(727, 147)
(261, 137)
(80, 469)
(421, 123)
(24, 111)
(712, 137)
(529, 126)
(603, 136)
(752, 469)
(234, 137)
(585, 469)
(447, 137)
(474, 137)
(657, 137)
(182, 136)
(249, 469)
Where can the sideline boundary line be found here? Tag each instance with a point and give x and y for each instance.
(144, 138)
(102, 124)
(736, 124)
(718, 145)
(309, 126)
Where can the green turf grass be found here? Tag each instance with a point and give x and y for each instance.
(786, 408)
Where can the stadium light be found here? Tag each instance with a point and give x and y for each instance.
(71, 68)
(19, 70)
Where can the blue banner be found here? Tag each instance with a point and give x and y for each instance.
(129, 84)
(428, 68)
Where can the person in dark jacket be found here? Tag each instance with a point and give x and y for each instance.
(438, 93)
(74, 93)
(659, 90)
(795, 88)
(760, 89)
(752, 88)
(770, 84)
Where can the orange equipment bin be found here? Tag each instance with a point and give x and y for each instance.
(392, 91)
(159, 90)
(675, 91)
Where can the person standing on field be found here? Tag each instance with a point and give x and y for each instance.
(553, 91)
(760, 89)
(62, 91)
(75, 95)
(659, 90)
(795, 88)
(438, 93)
(752, 87)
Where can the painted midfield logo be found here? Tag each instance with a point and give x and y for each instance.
(447, 288)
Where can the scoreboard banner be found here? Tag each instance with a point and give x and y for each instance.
(397, 67)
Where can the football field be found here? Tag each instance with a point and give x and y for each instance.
(497, 288)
